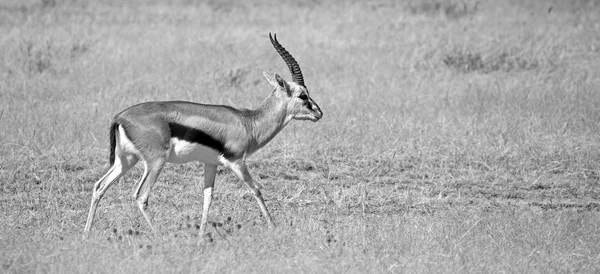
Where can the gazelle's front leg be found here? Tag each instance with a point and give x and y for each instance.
(240, 170)
(210, 171)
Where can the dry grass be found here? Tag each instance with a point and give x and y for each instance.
(456, 138)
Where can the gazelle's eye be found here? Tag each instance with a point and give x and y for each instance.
(303, 96)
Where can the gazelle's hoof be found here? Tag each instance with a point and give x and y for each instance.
(205, 239)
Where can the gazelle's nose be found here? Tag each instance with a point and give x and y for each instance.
(317, 111)
(319, 114)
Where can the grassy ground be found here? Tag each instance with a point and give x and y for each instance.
(457, 137)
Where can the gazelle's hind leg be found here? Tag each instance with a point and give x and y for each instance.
(122, 164)
(152, 170)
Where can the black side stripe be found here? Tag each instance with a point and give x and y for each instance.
(197, 136)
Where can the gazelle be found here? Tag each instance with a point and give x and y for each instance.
(182, 132)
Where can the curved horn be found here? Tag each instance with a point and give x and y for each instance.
(289, 60)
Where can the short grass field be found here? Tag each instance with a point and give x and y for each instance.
(457, 136)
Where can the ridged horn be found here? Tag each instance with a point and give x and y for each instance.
(289, 60)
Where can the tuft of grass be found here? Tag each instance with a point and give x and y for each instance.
(473, 61)
(449, 9)
(48, 3)
(37, 57)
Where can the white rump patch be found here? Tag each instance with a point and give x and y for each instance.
(184, 152)
(125, 144)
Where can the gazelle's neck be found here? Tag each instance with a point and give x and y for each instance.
(268, 119)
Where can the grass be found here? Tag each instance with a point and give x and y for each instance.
(457, 137)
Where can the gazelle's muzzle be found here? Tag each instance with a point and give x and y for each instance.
(317, 113)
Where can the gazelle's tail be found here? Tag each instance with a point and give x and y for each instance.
(113, 142)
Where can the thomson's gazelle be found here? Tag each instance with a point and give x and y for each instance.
(182, 132)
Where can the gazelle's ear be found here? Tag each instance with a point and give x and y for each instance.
(278, 82)
(270, 80)
(283, 84)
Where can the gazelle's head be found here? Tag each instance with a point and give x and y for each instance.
(299, 104)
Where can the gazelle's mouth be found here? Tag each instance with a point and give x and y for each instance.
(308, 118)
(318, 116)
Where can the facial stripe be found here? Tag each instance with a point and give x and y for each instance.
(197, 136)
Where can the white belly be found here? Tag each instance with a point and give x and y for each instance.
(184, 152)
